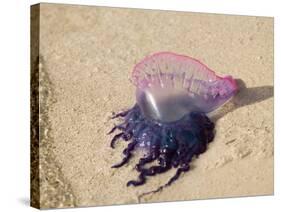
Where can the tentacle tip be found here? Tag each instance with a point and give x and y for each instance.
(129, 183)
(137, 168)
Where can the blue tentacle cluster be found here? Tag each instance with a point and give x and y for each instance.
(172, 145)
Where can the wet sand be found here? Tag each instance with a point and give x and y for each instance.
(88, 54)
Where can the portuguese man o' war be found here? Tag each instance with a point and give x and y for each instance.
(174, 95)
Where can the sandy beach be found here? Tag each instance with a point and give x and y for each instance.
(86, 58)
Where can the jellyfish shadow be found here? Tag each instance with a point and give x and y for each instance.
(244, 97)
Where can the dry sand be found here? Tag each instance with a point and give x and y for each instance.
(88, 54)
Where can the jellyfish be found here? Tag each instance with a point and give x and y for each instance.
(169, 121)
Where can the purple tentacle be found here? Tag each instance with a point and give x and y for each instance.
(128, 154)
